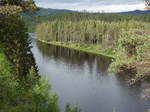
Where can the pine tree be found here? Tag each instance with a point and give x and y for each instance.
(14, 37)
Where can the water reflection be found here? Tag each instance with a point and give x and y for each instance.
(76, 58)
(82, 78)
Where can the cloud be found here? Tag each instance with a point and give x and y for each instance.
(93, 5)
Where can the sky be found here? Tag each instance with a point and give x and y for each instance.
(93, 5)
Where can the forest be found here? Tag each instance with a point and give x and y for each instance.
(32, 21)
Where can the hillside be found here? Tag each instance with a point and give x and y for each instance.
(46, 11)
(138, 12)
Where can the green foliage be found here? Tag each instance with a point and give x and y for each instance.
(53, 105)
(43, 101)
(25, 5)
(120, 60)
(14, 37)
(143, 51)
(108, 17)
(9, 10)
(68, 108)
(21, 89)
(31, 94)
(133, 55)
(87, 32)
(85, 16)
(130, 40)
(16, 43)
(8, 84)
(32, 22)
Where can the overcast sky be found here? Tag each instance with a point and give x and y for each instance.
(93, 5)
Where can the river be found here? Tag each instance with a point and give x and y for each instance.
(83, 79)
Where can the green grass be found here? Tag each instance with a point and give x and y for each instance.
(90, 48)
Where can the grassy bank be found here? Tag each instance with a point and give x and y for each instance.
(94, 49)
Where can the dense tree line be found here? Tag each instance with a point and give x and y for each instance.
(108, 17)
(78, 16)
(31, 22)
(87, 32)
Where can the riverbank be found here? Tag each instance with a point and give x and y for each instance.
(94, 49)
(122, 65)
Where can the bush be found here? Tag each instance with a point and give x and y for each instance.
(143, 51)
(30, 94)
(133, 55)
(130, 40)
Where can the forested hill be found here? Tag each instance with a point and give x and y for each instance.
(46, 11)
(31, 22)
(138, 12)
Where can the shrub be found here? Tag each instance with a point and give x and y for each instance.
(130, 40)
(143, 51)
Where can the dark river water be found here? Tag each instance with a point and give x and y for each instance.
(83, 79)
